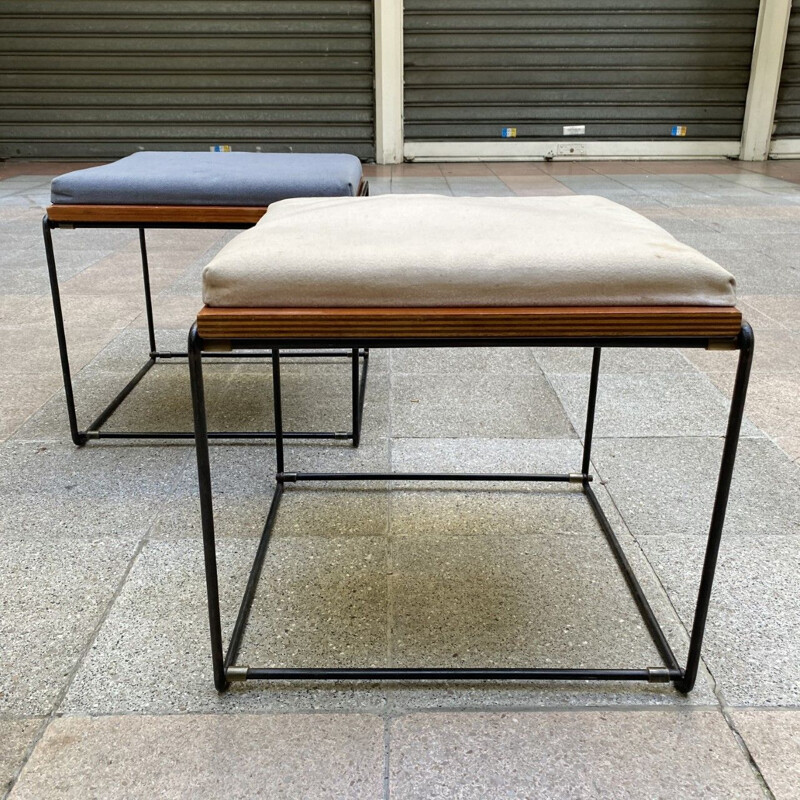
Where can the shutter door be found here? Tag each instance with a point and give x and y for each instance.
(787, 112)
(630, 69)
(99, 78)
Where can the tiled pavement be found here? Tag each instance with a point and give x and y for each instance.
(105, 687)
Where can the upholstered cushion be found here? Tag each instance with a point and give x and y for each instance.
(429, 250)
(220, 179)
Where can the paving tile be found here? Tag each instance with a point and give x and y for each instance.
(334, 595)
(513, 601)
(243, 480)
(86, 311)
(163, 244)
(647, 404)
(784, 310)
(249, 756)
(321, 602)
(176, 312)
(316, 397)
(757, 319)
(466, 169)
(447, 360)
(776, 350)
(756, 272)
(512, 169)
(721, 212)
(591, 754)
(380, 186)
(618, 167)
(791, 446)
(491, 508)
(32, 348)
(566, 168)
(116, 276)
(488, 405)
(751, 644)
(87, 239)
(29, 255)
(442, 611)
(476, 187)
(415, 170)
(595, 184)
(538, 189)
(52, 595)
(771, 400)
(559, 360)
(406, 185)
(48, 489)
(16, 736)
(378, 170)
(129, 349)
(21, 396)
(773, 738)
(667, 486)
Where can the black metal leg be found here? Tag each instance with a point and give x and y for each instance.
(671, 671)
(278, 410)
(148, 300)
(206, 506)
(77, 437)
(590, 408)
(94, 429)
(746, 343)
(355, 395)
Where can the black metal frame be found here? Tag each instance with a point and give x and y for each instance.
(224, 663)
(359, 358)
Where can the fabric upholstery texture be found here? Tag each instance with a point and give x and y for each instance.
(430, 250)
(198, 179)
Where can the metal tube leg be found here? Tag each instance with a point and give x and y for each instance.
(587, 439)
(276, 394)
(78, 438)
(148, 300)
(746, 341)
(355, 394)
(206, 506)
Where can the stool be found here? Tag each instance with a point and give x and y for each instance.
(425, 271)
(189, 190)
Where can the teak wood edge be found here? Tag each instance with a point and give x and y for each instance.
(566, 321)
(66, 213)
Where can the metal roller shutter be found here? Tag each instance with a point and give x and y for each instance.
(97, 78)
(787, 112)
(630, 69)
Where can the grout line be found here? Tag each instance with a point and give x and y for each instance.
(727, 715)
(84, 652)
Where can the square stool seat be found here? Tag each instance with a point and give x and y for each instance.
(434, 251)
(209, 179)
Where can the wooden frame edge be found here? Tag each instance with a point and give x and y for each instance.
(478, 322)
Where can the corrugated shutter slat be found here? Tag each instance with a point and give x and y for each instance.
(630, 69)
(98, 78)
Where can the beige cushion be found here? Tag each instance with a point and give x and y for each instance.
(430, 250)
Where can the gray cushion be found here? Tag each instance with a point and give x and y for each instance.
(200, 179)
(427, 250)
